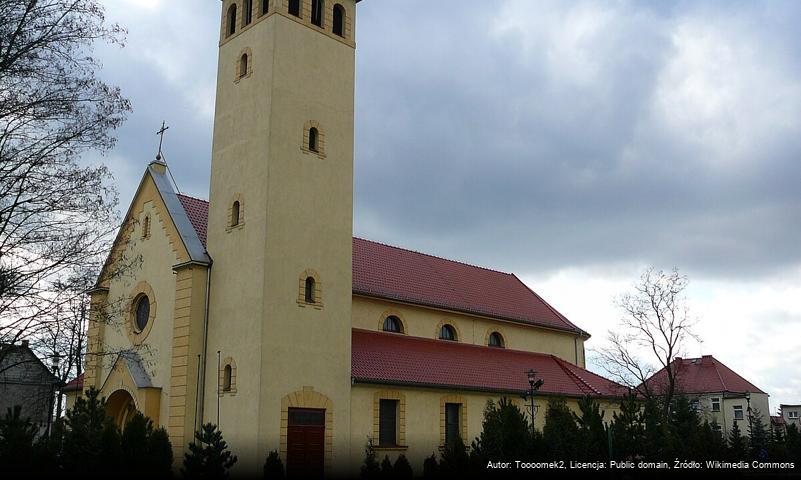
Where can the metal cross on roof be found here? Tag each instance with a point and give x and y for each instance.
(161, 131)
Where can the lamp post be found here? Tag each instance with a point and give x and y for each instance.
(533, 386)
(750, 419)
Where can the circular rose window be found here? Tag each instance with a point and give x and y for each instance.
(142, 312)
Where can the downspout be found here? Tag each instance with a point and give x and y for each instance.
(201, 400)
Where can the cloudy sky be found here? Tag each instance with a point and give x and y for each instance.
(573, 143)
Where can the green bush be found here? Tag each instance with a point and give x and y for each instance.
(208, 456)
(273, 466)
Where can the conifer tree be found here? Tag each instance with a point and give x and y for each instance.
(274, 467)
(505, 434)
(17, 438)
(628, 430)
(403, 469)
(134, 443)
(387, 470)
(431, 467)
(455, 460)
(592, 436)
(159, 452)
(792, 442)
(710, 444)
(208, 456)
(758, 436)
(560, 432)
(371, 469)
(684, 429)
(737, 444)
(91, 441)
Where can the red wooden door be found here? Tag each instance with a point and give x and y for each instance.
(305, 452)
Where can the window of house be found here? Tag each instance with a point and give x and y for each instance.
(265, 6)
(294, 8)
(243, 65)
(452, 422)
(738, 412)
(235, 217)
(231, 28)
(339, 20)
(227, 371)
(715, 404)
(247, 12)
(142, 312)
(393, 324)
(309, 290)
(717, 427)
(314, 135)
(695, 404)
(447, 332)
(317, 12)
(495, 340)
(792, 415)
(388, 423)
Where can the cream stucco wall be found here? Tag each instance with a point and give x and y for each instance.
(423, 426)
(728, 400)
(369, 314)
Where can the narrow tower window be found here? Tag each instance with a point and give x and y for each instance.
(243, 65)
(247, 13)
(294, 8)
(339, 20)
(231, 20)
(313, 135)
(309, 291)
(227, 378)
(265, 6)
(146, 227)
(317, 12)
(235, 214)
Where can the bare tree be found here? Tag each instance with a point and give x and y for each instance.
(57, 214)
(654, 330)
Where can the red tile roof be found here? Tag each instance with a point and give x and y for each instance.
(703, 375)
(395, 359)
(74, 384)
(403, 275)
(198, 212)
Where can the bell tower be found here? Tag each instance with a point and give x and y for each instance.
(280, 225)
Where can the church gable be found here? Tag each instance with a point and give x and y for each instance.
(155, 207)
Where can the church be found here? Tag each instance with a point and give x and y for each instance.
(259, 311)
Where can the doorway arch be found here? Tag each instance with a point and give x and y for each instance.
(120, 407)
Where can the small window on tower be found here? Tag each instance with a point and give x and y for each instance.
(309, 290)
(243, 65)
(231, 26)
(227, 371)
(313, 139)
(339, 20)
(146, 227)
(317, 12)
(235, 211)
(294, 8)
(247, 13)
(265, 6)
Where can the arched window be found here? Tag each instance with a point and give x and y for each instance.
(309, 290)
(247, 12)
(227, 371)
(495, 340)
(393, 324)
(313, 139)
(317, 12)
(339, 20)
(235, 213)
(243, 65)
(265, 6)
(294, 8)
(447, 332)
(231, 27)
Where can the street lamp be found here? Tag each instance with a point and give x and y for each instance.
(533, 386)
(750, 419)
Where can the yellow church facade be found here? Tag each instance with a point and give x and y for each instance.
(260, 312)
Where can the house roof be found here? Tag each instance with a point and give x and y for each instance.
(396, 359)
(407, 276)
(777, 419)
(703, 375)
(76, 384)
